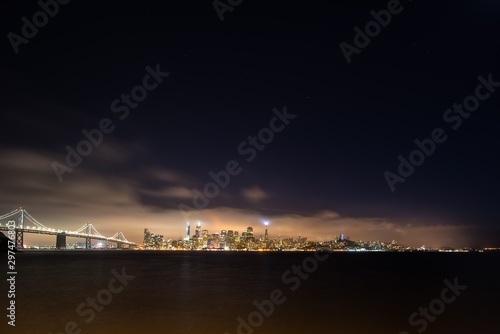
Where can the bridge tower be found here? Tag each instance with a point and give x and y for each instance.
(61, 240)
(88, 240)
(19, 231)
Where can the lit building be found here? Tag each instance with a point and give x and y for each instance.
(197, 233)
(266, 235)
(152, 241)
(249, 234)
(204, 238)
(188, 232)
(197, 238)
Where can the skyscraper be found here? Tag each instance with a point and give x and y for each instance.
(249, 234)
(188, 232)
(197, 233)
(266, 235)
(205, 238)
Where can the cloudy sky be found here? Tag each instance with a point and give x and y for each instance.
(321, 171)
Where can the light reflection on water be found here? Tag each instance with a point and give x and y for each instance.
(197, 292)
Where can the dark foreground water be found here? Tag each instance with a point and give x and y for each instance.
(205, 292)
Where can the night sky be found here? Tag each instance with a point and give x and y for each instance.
(321, 175)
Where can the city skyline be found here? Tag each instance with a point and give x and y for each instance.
(261, 229)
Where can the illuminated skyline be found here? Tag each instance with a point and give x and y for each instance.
(319, 228)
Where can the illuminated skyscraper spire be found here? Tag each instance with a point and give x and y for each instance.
(266, 235)
(188, 232)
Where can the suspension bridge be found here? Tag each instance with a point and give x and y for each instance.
(19, 219)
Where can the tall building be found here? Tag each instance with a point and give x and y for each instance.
(188, 232)
(197, 233)
(266, 235)
(204, 238)
(197, 238)
(249, 234)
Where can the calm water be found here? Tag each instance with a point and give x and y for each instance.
(193, 292)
